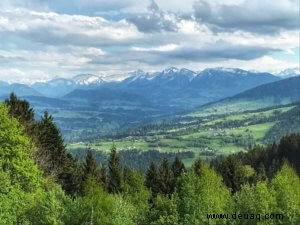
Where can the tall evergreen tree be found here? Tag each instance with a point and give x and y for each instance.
(52, 155)
(232, 172)
(21, 110)
(103, 176)
(152, 179)
(114, 172)
(165, 178)
(91, 168)
(197, 165)
(177, 167)
(261, 173)
(51, 146)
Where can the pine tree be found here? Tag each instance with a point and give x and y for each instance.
(165, 178)
(232, 172)
(103, 176)
(152, 179)
(21, 110)
(197, 165)
(127, 173)
(51, 148)
(261, 173)
(115, 179)
(177, 167)
(52, 156)
(91, 168)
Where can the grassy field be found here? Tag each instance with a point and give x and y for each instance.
(207, 136)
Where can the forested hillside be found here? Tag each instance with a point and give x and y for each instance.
(41, 183)
(192, 135)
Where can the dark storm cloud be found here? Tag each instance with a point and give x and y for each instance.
(154, 20)
(257, 16)
(220, 51)
(209, 53)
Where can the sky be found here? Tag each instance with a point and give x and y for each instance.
(42, 39)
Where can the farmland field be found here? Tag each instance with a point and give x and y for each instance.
(207, 136)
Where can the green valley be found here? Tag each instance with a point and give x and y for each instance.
(206, 136)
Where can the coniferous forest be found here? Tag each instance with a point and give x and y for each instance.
(42, 183)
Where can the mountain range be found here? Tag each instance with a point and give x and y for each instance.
(88, 105)
(221, 81)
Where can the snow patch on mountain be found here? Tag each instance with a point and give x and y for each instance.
(87, 79)
(290, 72)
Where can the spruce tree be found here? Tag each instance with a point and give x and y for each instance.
(197, 165)
(21, 110)
(165, 178)
(103, 176)
(114, 172)
(232, 172)
(261, 173)
(152, 179)
(91, 168)
(51, 147)
(177, 167)
(52, 156)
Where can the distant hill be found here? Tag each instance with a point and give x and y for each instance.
(19, 89)
(105, 95)
(276, 93)
(287, 89)
(55, 88)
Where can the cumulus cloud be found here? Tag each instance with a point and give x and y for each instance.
(154, 20)
(258, 16)
(60, 29)
(45, 37)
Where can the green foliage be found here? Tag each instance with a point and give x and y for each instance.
(255, 199)
(91, 168)
(177, 167)
(15, 150)
(13, 201)
(199, 195)
(179, 196)
(19, 176)
(123, 212)
(21, 110)
(286, 185)
(152, 179)
(135, 192)
(233, 173)
(95, 207)
(53, 156)
(49, 207)
(165, 179)
(163, 212)
(114, 172)
(103, 176)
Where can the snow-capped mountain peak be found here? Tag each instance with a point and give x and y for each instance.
(290, 72)
(87, 79)
(170, 70)
(223, 70)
